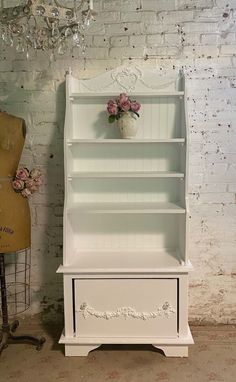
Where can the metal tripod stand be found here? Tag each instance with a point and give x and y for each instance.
(7, 330)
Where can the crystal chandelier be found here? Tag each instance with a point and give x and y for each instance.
(46, 25)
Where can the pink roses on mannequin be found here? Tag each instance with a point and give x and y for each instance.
(121, 105)
(27, 183)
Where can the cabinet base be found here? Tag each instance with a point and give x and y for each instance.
(172, 347)
(79, 350)
(173, 351)
(83, 350)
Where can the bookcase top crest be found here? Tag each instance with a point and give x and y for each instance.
(128, 79)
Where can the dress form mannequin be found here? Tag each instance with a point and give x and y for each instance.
(15, 222)
(14, 208)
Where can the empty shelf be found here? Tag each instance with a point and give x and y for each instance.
(127, 207)
(126, 174)
(120, 261)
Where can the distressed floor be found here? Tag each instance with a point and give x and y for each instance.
(212, 358)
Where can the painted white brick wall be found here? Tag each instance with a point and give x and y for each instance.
(198, 36)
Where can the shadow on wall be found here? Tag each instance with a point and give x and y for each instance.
(52, 299)
(52, 284)
(43, 109)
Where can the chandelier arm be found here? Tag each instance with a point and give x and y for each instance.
(60, 28)
(71, 25)
(49, 25)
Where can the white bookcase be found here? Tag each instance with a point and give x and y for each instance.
(125, 263)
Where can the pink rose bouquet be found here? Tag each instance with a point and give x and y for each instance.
(27, 182)
(22, 173)
(18, 184)
(122, 104)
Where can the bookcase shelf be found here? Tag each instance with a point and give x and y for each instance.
(125, 221)
(125, 141)
(90, 95)
(127, 174)
(126, 207)
(131, 262)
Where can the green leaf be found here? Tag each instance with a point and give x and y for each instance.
(111, 118)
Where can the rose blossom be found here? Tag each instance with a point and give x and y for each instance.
(18, 184)
(31, 185)
(135, 106)
(35, 173)
(39, 181)
(112, 107)
(26, 193)
(122, 98)
(125, 106)
(22, 173)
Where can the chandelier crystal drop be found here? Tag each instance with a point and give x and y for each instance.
(46, 25)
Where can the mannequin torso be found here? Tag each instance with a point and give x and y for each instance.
(14, 208)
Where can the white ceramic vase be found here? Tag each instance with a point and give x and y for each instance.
(127, 125)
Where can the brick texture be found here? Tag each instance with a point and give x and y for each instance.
(198, 36)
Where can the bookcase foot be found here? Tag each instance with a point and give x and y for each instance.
(79, 350)
(173, 351)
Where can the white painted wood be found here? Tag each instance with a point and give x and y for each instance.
(162, 273)
(79, 350)
(160, 119)
(126, 207)
(126, 273)
(183, 304)
(130, 79)
(126, 212)
(185, 122)
(139, 94)
(187, 340)
(164, 174)
(125, 190)
(108, 295)
(125, 261)
(174, 351)
(125, 232)
(125, 141)
(68, 305)
(123, 160)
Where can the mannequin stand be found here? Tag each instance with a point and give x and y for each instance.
(7, 330)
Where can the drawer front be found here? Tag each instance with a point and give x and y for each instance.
(126, 307)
